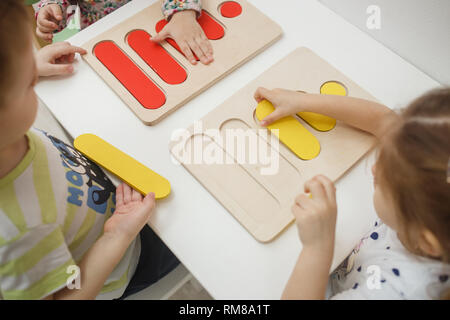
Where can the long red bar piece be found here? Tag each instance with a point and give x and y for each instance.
(156, 57)
(213, 30)
(129, 75)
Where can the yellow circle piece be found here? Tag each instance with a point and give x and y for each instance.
(333, 88)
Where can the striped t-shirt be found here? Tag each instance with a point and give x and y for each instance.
(53, 206)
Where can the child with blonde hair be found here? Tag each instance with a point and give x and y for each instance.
(407, 254)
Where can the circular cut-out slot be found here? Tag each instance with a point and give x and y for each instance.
(333, 88)
(230, 9)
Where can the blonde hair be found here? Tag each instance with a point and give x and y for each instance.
(413, 163)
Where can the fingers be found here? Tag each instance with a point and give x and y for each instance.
(162, 35)
(184, 46)
(44, 35)
(136, 196)
(263, 94)
(56, 12)
(149, 201)
(65, 48)
(56, 70)
(316, 189)
(328, 186)
(119, 195)
(46, 25)
(274, 116)
(126, 193)
(206, 49)
(197, 50)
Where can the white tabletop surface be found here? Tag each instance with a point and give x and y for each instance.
(216, 249)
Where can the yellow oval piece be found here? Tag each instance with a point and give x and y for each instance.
(291, 133)
(134, 173)
(319, 121)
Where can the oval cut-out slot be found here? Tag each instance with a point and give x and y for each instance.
(156, 57)
(291, 133)
(230, 9)
(213, 30)
(149, 95)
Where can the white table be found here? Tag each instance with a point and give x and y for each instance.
(216, 249)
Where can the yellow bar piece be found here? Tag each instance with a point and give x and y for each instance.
(134, 173)
(291, 133)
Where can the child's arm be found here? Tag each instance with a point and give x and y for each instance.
(362, 114)
(131, 214)
(56, 59)
(50, 16)
(316, 222)
(185, 30)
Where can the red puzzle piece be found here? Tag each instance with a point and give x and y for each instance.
(156, 57)
(129, 75)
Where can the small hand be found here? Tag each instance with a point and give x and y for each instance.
(47, 21)
(184, 29)
(57, 59)
(316, 214)
(286, 103)
(131, 214)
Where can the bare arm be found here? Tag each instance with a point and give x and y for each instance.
(131, 214)
(362, 114)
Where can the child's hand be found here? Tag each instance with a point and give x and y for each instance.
(57, 59)
(286, 103)
(131, 214)
(187, 33)
(316, 214)
(47, 21)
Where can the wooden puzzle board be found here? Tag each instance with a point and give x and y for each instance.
(262, 203)
(244, 37)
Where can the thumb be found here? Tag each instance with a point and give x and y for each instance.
(149, 201)
(162, 35)
(56, 12)
(271, 118)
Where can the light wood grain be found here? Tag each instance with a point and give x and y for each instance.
(245, 36)
(261, 203)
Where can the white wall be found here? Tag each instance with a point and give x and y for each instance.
(417, 30)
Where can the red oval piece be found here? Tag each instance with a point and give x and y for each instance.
(156, 57)
(230, 9)
(213, 30)
(129, 75)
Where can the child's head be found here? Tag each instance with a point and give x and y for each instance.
(412, 190)
(18, 75)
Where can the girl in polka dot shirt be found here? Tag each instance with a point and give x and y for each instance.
(54, 15)
(407, 254)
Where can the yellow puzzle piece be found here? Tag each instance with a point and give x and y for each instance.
(134, 173)
(291, 133)
(319, 121)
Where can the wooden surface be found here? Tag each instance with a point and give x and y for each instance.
(262, 203)
(245, 36)
(197, 228)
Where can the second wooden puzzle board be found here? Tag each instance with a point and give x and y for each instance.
(154, 80)
(262, 203)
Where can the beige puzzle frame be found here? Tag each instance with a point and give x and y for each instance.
(262, 203)
(245, 36)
